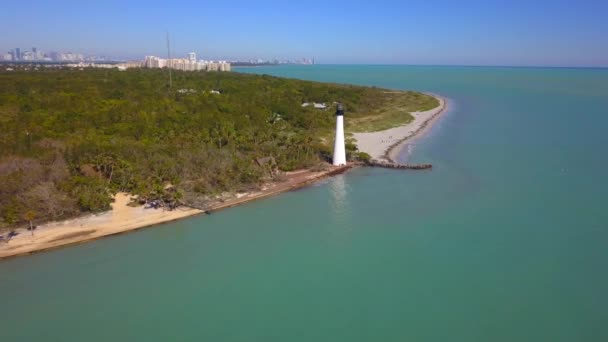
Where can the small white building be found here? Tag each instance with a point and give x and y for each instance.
(186, 91)
(315, 105)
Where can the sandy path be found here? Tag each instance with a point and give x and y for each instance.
(385, 143)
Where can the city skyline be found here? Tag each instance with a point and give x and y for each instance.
(34, 54)
(543, 33)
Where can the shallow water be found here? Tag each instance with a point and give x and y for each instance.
(504, 240)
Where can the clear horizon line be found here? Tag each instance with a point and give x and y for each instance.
(456, 65)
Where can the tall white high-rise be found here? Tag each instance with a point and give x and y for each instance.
(192, 57)
(339, 148)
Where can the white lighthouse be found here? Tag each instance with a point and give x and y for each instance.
(339, 149)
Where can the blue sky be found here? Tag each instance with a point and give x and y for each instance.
(492, 32)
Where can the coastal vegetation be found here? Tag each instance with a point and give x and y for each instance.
(394, 111)
(71, 138)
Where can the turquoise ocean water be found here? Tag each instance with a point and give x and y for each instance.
(506, 239)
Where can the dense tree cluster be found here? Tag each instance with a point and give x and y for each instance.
(70, 138)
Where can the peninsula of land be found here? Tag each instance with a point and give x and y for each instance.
(75, 147)
(382, 146)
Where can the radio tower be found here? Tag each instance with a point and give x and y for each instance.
(169, 63)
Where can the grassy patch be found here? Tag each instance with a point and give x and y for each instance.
(393, 112)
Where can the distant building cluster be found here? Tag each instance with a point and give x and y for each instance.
(186, 64)
(190, 63)
(35, 55)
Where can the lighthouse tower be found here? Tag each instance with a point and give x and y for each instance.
(339, 149)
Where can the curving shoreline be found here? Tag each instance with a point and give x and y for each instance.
(387, 144)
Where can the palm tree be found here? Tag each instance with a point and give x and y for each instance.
(30, 215)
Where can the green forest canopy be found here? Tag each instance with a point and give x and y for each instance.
(69, 138)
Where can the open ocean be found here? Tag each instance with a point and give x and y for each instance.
(506, 239)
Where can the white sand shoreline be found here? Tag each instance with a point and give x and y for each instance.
(120, 219)
(385, 146)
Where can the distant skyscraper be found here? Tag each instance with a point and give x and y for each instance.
(192, 57)
(17, 54)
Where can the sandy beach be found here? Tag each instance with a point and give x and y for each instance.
(384, 146)
(124, 218)
(120, 219)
